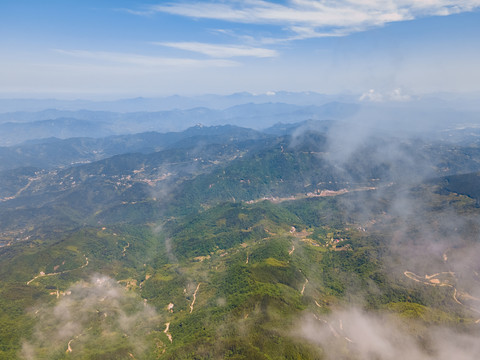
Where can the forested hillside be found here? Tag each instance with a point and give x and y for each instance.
(230, 243)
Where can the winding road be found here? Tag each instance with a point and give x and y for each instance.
(436, 280)
(42, 274)
(304, 285)
(194, 298)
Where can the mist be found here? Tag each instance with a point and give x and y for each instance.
(356, 334)
(429, 237)
(93, 317)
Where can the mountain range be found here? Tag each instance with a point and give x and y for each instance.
(315, 239)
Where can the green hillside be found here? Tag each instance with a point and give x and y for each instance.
(237, 277)
(255, 249)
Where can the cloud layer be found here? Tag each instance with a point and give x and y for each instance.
(314, 18)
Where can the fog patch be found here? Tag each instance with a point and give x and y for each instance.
(356, 334)
(94, 317)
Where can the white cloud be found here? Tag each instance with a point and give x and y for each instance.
(394, 95)
(398, 95)
(315, 18)
(371, 95)
(137, 12)
(221, 51)
(145, 61)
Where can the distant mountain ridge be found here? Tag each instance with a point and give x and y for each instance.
(55, 152)
(24, 126)
(173, 102)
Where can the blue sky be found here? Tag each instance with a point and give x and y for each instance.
(97, 49)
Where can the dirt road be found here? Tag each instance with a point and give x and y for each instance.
(42, 274)
(194, 298)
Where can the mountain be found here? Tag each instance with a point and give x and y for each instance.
(226, 242)
(53, 152)
(23, 126)
(195, 170)
(61, 127)
(171, 102)
(414, 118)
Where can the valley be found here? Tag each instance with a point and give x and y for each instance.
(231, 250)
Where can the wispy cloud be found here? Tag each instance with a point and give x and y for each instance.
(145, 61)
(137, 12)
(315, 18)
(221, 51)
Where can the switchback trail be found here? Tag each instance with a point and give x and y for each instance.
(434, 280)
(125, 249)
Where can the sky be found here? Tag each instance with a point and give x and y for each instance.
(98, 49)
